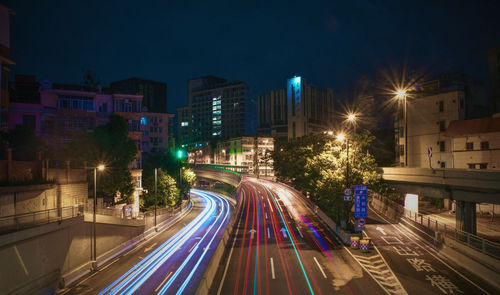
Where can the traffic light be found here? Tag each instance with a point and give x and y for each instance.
(180, 154)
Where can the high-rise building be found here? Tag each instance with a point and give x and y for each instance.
(295, 111)
(153, 92)
(156, 133)
(5, 63)
(183, 122)
(217, 110)
(494, 73)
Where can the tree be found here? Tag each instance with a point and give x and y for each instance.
(319, 164)
(109, 145)
(167, 194)
(188, 179)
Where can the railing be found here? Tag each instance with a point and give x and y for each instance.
(18, 222)
(475, 242)
(472, 241)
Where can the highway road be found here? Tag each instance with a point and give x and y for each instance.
(418, 266)
(280, 247)
(173, 262)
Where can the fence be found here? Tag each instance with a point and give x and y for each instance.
(472, 241)
(18, 222)
(475, 242)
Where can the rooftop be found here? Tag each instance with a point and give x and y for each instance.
(471, 127)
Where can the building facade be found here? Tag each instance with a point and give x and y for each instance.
(183, 127)
(430, 109)
(254, 153)
(154, 93)
(217, 110)
(295, 111)
(475, 144)
(156, 133)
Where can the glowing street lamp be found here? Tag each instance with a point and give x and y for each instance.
(100, 167)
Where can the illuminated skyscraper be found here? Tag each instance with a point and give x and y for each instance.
(217, 110)
(298, 110)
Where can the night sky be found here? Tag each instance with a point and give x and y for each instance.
(331, 43)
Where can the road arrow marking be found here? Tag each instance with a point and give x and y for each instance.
(272, 269)
(150, 248)
(268, 235)
(380, 230)
(252, 232)
(283, 231)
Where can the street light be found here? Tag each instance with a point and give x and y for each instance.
(156, 192)
(100, 167)
(352, 119)
(401, 94)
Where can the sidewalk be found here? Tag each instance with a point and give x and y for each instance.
(486, 227)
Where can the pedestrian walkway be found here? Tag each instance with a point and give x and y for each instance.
(488, 226)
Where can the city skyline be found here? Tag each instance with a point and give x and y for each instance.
(263, 46)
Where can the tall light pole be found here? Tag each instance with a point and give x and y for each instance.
(156, 192)
(401, 94)
(101, 167)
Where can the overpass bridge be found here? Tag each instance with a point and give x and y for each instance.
(466, 187)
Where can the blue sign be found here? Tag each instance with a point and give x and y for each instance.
(360, 201)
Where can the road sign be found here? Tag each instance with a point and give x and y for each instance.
(347, 198)
(360, 201)
(429, 152)
(348, 192)
(361, 221)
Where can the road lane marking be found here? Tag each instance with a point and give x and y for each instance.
(380, 230)
(319, 266)
(299, 232)
(272, 268)
(268, 235)
(428, 251)
(150, 247)
(163, 282)
(191, 249)
(266, 215)
(21, 261)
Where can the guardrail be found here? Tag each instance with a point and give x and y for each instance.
(475, 242)
(18, 222)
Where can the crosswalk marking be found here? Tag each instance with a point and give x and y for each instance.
(378, 269)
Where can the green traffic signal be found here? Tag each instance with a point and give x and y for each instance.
(180, 154)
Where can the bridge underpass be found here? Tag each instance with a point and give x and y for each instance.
(465, 187)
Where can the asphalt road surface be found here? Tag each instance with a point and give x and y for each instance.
(281, 247)
(417, 265)
(173, 262)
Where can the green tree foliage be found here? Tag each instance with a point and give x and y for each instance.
(319, 164)
(167, 194)
(109, 145)
(188, 179)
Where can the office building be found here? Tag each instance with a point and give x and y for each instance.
(217, 110)
(250, 154)
(156, 132)
(183, 131)
(154, 93)
(295, 111)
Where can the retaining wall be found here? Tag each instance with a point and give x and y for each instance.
(41, 259)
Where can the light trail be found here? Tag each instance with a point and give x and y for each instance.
(293, 244)
(134, 278)
(224, 208)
